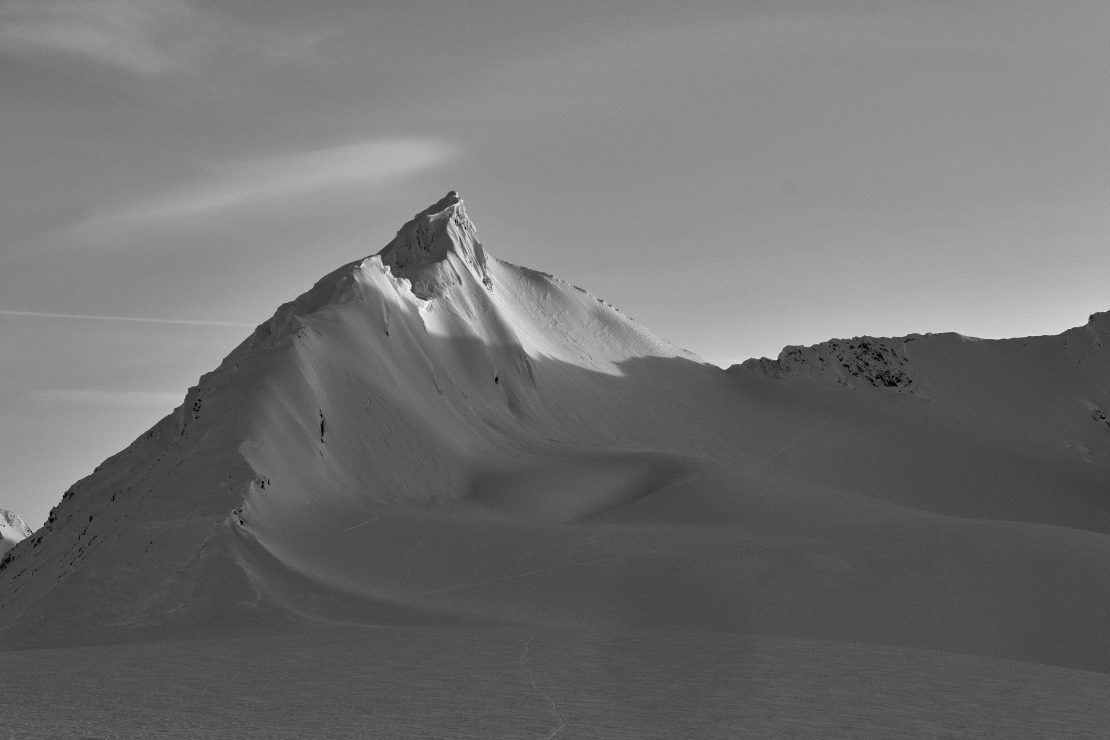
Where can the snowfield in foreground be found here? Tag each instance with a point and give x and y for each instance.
(482, 682)
(440, 494)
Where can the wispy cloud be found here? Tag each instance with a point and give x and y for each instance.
(95, 397)
(138, 319)
(233, 184)
(143, 37)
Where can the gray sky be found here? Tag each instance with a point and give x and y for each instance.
(737, 175)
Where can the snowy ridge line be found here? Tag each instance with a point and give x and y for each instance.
(885, 362)
(878, 362)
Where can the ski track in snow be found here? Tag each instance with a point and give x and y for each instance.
(360, 524)
(525, 665)
(789, 444)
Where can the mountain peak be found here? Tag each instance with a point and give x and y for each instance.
(450, 201)
(424, 247)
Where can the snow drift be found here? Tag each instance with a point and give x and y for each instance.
(434, 435)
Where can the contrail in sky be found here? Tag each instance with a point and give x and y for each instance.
(138, 319)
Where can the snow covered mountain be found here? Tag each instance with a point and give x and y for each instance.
(433, 435)
(12, 530)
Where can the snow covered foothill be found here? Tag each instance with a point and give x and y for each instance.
(432, 438)
(12, 530)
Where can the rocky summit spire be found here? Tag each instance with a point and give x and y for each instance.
(424, 244)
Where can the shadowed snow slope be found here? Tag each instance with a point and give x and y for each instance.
(432, 435)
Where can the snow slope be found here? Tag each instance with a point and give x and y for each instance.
(12, 530)
(432, 436)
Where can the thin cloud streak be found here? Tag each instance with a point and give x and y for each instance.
(94, 397)
(146, 38)
(367, 164)
(134, 319)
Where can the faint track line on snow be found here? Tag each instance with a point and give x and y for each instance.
(473, 584)
(797, 438)
(412, 551)
(522, 661)
(360, 524)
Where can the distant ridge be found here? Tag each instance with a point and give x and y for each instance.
(12, 530)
